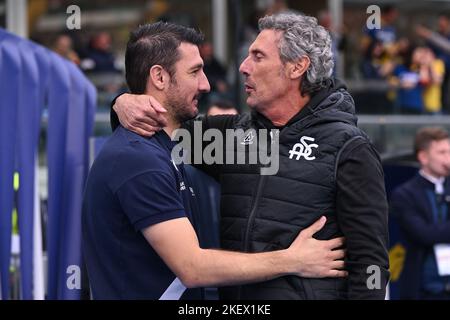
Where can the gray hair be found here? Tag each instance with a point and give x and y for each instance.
(302, 36)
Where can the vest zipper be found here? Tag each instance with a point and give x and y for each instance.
(251, 218)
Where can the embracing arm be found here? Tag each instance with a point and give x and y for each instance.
(144, 115)
(197, 267)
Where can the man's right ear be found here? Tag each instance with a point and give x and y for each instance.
(422, 157)
(158, 77)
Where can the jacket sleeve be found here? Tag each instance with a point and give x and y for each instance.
(362, 213)
(113, 118)
(405, 208)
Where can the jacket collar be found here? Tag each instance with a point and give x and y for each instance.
(330, 95)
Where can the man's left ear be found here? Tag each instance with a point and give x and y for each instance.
(297, 69)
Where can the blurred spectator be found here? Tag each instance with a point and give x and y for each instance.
(221, 107)
(409, 79)
(403, 50)
(434, 75)
(338, 39)
(374, 64)
(216, 74)
(213, 69)
(421, 207)
(385, 37)
(99, 55)
(440, 44)
(387, 34)
(63, 45)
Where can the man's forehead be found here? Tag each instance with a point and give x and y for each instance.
(266, 38)
(190, 54)
(188, 49)
(444, 143)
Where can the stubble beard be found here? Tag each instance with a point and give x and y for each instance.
(179, 108)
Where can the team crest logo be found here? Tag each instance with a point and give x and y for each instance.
(303, 149)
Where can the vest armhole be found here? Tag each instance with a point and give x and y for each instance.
(338, 157)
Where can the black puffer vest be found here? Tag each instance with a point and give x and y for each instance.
(266, 212)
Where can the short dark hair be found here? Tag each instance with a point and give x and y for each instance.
(155, 44)
(426, 135)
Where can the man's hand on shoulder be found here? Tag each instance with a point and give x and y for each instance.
(141, 114)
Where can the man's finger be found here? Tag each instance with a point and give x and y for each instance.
(161, 119)
(153, 123)
(147, 120)
(156, 105)
(337, 254)
(337, 273)
(151, 114)
(335, 243)
(148, 129)
(338, 264)
(143, 132)
(315, 227)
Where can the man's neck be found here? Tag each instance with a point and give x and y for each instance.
(285, 109)
(431, 176)
(172, 125)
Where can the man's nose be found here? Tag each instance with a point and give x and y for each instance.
(203, 85)
(244, 68)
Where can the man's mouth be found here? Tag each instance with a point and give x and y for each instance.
(196, 99)
(248, 88)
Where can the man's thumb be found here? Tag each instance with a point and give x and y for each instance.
(316, 226)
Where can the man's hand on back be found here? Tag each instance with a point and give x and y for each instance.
(317, 258)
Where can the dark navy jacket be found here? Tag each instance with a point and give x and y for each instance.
(413, 209)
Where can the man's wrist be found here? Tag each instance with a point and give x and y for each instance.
(287, 263)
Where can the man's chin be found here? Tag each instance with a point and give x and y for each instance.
(250, 103)
(187, 116)
(194, 113)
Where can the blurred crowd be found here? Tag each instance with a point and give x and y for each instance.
(410, 75)
(417, 70)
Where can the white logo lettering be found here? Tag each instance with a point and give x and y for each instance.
(303, 149)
